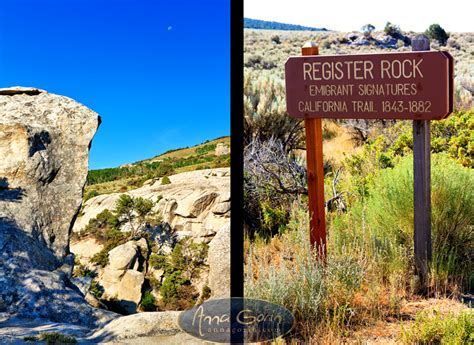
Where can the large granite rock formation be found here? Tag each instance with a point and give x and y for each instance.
(195, 203)
(44, 147)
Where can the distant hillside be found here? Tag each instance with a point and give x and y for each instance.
(132, 176)
(263, 24)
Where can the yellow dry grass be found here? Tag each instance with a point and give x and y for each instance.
(186, 152)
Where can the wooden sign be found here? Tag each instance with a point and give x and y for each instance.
(409, 85)
(417, 85)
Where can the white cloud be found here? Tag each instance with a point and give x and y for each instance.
(349, 15)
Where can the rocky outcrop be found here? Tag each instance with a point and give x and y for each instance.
(143, 324)
(44, 143)
(44, 146)
(143, 328)
(123, 277)
(219, 263)
(221, 149)
(195, 203)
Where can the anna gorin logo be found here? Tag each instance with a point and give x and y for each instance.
(236, 320)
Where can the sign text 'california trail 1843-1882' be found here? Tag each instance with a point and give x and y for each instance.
(411, 85)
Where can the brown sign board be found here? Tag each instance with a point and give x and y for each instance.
(408, 85)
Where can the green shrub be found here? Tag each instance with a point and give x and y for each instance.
(155, 284)
(435, 31)
(101, 258)
(91, 194)
(435, 328)
(159, 262)
(96, 289)
(273, 219)
(82, 271)
(30, 338)
(177, 292)
(148, 302)
(455, 136)
(206, 292)
(165, 180)
(202, 150)
(103, 227)
(385, 220)
(265, 114)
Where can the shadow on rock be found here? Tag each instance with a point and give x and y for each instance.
(10, 194)
(31, 287)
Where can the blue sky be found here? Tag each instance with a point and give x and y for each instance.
(158, 72)
(349, 15)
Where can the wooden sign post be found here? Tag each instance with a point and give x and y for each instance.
(315, 170)
(415, 85)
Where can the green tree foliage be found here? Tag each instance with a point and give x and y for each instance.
(205, 149)
(105, 227)
(392, 29)
(165, 180)
(144, 170)
(96, 289)
(436, 32)
(159, 261)
(177, 292)
(148, 302)
(183, 264)
(134, 211)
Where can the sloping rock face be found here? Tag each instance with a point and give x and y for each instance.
(44, 146)
(138, 325)
(195, 203)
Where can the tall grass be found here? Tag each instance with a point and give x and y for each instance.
(432, 327)
(369, 267)
(390, 215)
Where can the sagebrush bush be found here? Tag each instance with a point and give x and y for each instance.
(295, 278)
(265, 114)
